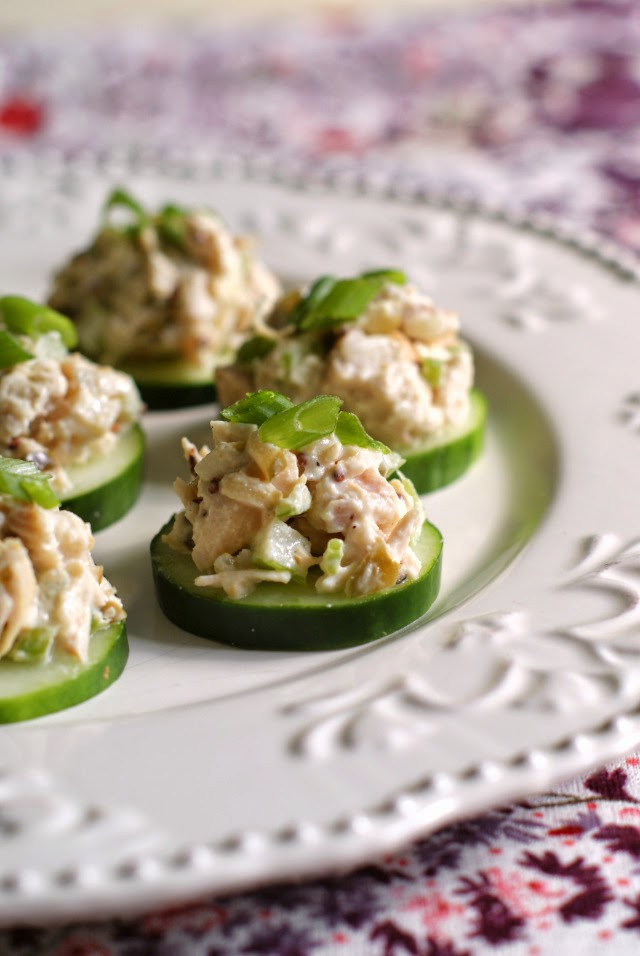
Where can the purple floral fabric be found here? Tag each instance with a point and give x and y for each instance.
(528, 106)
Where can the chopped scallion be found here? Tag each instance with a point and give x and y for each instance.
(24, 317)
(302, 424)
(22, 480)
(350, 431)
(254, 348)
(256, 407)
(11, 351)
(332, 302)
(170, 223)
(122, 202)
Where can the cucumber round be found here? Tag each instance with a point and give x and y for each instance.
(106, 487)
(171, 383)
(291, 617)
(31, 690)
(446, 456)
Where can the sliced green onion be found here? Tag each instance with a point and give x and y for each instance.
(170, 223)
(25, 317)
(22, 480)
(256, 407)
(332, 302)
(387, 275)
(350, 431)
(317, 292)
(254, 348)
(302, 424)
(11, 351)
(32, 646)
(332, 557)
(120, 200)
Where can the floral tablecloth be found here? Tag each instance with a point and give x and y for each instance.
(534, 106)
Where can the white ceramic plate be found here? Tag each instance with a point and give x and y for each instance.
(209, 769)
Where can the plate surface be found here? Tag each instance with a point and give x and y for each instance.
(209, 769)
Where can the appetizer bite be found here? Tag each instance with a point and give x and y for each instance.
(62, 632)
(382, 346)
(75, 420)
(165, 296)
(292, 535)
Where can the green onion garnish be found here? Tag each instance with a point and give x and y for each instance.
(23, 480)
(302, 424)
(11, 351)
(170, 223)
(256, 407)
(332, 302)
(24, 317)
(350, 431)
(123, 202)
(254, 348)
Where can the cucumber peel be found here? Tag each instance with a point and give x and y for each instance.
(172, 383)
(446, 456)
(32, 690)
(107, 486)
(291, 617)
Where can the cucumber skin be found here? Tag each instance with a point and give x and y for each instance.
(106, 504)
(293, 627)
(96, 677)
(166, 397)
(442, 464)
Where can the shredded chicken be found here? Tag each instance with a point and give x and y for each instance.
(144, 297)
(400, 367)
(48, 578)
(63, 411)
(255, 512)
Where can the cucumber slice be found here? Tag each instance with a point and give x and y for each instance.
(291, 617)
(445, 457)
(171, 383)
(31, 690)
(106, 487)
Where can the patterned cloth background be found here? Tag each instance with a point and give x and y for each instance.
(535, 107)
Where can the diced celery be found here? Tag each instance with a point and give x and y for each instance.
(296, 503)
(280, 547)
(432, 371)
(32, 646)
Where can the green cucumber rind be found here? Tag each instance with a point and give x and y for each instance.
(162, 398)
(168, 384)
(85, 681)
(270, 620)
(439, 463)
(106, 503)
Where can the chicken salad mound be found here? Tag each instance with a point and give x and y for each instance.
(52, 594)
(376, 341)
(295, 493)
(174, 284)
(57, 409)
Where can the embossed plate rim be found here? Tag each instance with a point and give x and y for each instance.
(153, 877)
